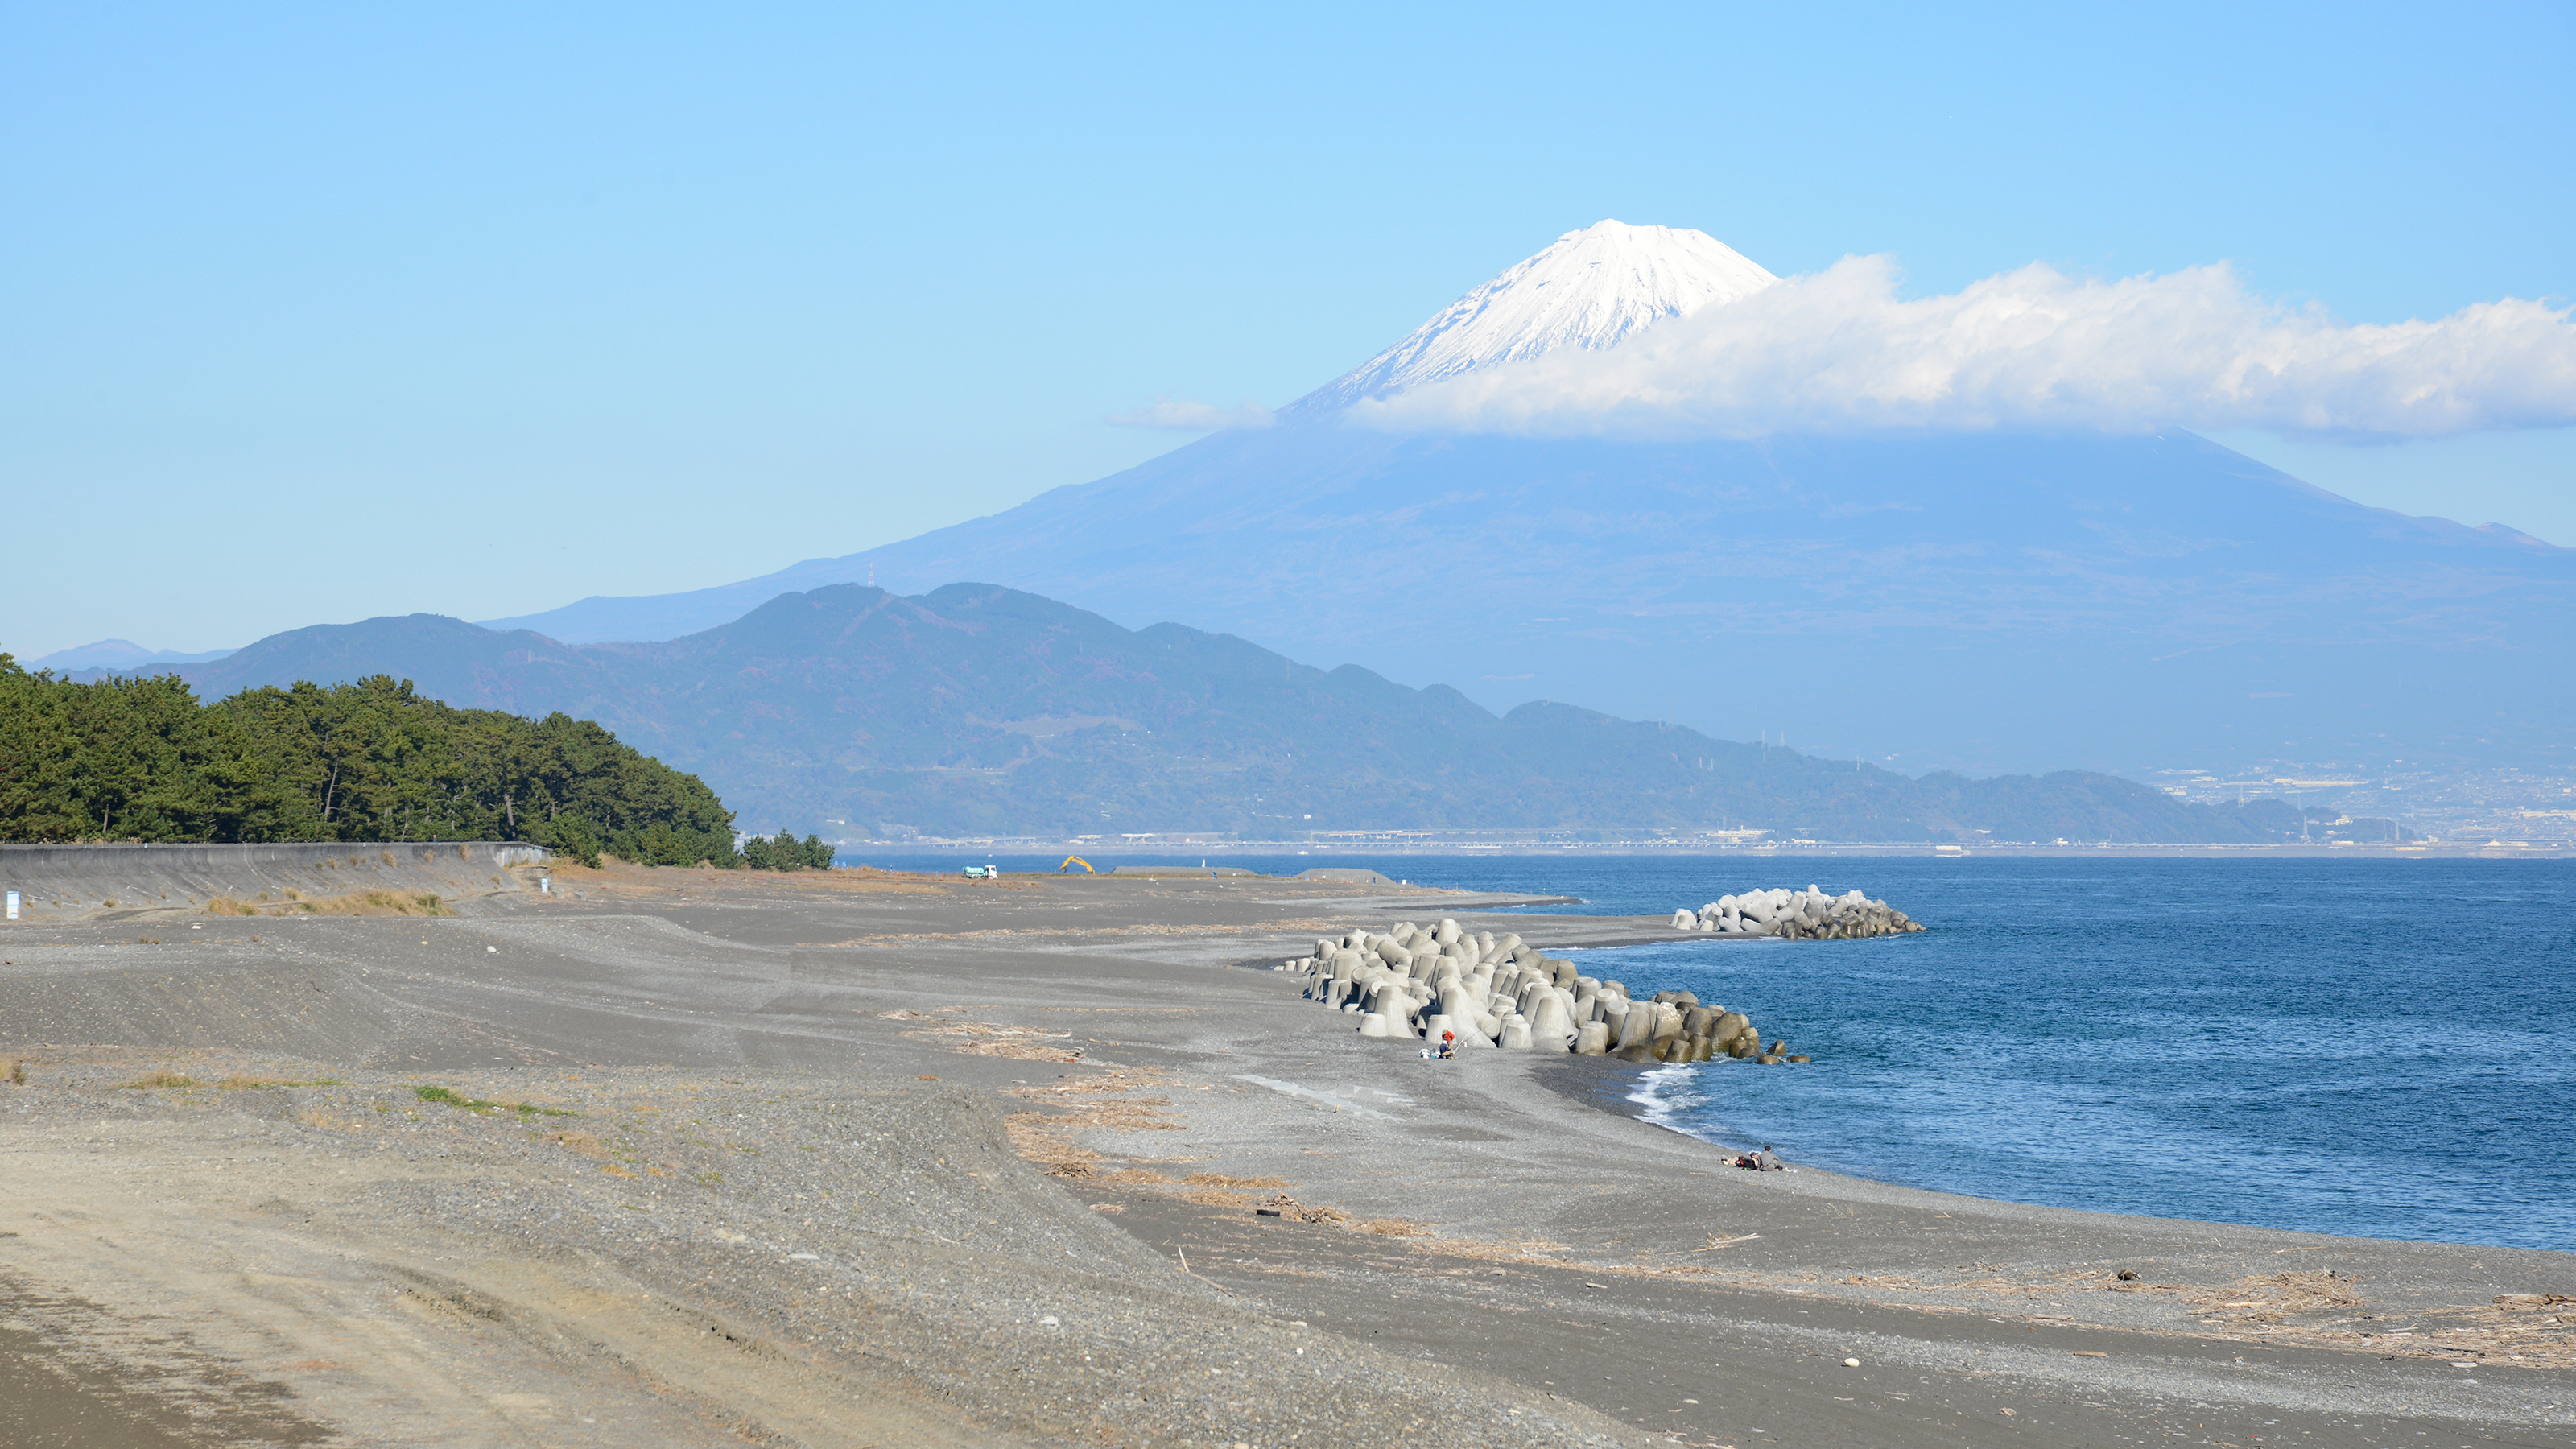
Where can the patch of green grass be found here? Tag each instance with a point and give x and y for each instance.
(446, 1098)
(161, 1079)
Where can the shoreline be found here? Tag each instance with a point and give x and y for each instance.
(1008, 1127)
(1642, 1113)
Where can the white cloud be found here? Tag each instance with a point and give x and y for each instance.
(1837, 350)
(1192, 417)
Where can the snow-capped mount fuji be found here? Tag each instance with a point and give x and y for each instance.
(1589, 290)
(1985, 601)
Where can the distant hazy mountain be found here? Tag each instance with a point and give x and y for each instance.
(977, 709)
(1989, 602)
(115, 656)
(1983, 601)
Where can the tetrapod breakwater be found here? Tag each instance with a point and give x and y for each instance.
(1443, 986)
(1804, 915)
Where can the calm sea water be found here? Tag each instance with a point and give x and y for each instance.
(2380, 1048)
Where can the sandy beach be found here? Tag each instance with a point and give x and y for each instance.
(697, 1157)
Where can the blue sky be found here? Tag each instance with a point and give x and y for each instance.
(315, 313)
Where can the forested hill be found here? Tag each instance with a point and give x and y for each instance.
(372, 760)
(975, 709)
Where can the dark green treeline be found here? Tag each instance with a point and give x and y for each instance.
(142, 759)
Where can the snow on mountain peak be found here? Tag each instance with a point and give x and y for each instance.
(1589, 290)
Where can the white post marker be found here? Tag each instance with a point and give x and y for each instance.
(13, 905)
(545, 885)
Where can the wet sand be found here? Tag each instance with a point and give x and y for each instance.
(846, 1161)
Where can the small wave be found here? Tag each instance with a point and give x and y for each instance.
(1664, 1096)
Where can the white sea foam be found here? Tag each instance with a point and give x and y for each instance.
(1665, 1096)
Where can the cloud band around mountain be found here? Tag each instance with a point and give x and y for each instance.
(1838, 350)
(1177, 416)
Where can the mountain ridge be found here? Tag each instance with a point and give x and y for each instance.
(974, 709)
(1990, 603)
(117, 656)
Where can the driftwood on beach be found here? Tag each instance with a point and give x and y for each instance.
(1478, 990)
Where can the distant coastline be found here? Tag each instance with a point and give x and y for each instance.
(1404, 843)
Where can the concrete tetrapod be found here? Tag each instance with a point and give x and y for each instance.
(1413, 983)
(1552, 1025)
(1796, 915)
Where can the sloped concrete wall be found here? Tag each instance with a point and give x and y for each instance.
(106, 882)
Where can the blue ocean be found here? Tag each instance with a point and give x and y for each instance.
(2377, 1048)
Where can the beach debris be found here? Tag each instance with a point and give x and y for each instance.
(2128, 1275)
(1851, 1363)
(1715, 1242)
(1419, 985)
(983, 1039)
(1393, 1228)
(1807, 915)
(1288, 1207)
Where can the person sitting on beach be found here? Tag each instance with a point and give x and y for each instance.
(1448, 1045)
(1763, 1161)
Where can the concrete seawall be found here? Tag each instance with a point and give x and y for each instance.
(110, 882)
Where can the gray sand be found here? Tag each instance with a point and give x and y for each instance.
(762, 1218)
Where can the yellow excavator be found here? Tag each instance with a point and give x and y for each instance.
(1071, 861)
